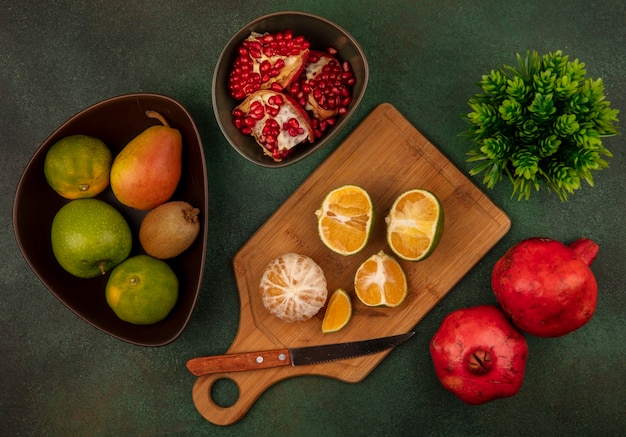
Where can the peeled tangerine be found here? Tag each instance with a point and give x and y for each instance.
(147, 170)
(293, 287)
(479, 355)
(546, 287)
(169, 229)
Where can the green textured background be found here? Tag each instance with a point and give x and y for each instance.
(62, 377)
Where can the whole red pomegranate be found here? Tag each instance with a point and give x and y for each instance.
(546, 287)
(479, 355)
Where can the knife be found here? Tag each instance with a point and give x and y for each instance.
(294, 356)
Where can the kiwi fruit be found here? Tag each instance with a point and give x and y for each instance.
(169, 229)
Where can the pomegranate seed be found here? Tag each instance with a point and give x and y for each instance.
(276, 100)
(250, 120)
(272, 111)
(265, 66)
(331, 51)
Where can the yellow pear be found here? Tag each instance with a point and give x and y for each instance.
(147, 170)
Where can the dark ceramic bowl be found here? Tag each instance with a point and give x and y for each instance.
(322, 34)
(115, 121)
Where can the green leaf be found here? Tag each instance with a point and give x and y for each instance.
(564, 87)
(556, 62)
(494, 84)
(526, 163)
(496, 148)
(511, 111)
(544, 81)
(540, 123)
(542, 108)
(548, 145)
(528, 132)
(566, 125)
(576, 71)
(517, 90)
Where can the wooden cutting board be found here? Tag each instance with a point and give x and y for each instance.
(386, 156)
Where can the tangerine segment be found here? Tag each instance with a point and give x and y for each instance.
(380, 281)
(293, 287)
(415, 224)
(338, 312)
(345, 219)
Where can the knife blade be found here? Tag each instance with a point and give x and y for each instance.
(292, 356)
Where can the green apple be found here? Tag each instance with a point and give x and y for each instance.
(90, 237)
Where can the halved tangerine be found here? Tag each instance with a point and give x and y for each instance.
(415, 224)
(344, 221)
(380, 281)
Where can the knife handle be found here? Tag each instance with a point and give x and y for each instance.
(239, 362)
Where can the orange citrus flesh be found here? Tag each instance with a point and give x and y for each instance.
(293, 287)
(338, 312)
(415, 225)
(380, 281)
(344, 220)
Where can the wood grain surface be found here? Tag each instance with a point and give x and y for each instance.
(386, 156)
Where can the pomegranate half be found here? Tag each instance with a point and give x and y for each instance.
(275, 120)
(479, 355)
(267, 61)
(547, 287)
